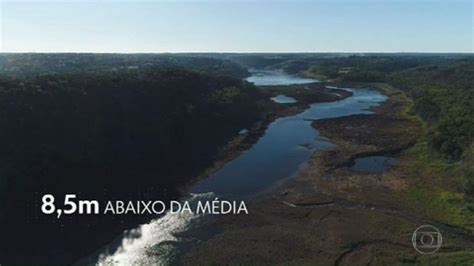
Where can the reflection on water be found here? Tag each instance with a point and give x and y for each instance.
(283, 99)
(275, 77)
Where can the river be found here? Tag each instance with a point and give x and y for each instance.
(275, 77)
(286, 145)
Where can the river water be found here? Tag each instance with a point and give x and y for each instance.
(275, 77)
(286, 145)
(283, 99)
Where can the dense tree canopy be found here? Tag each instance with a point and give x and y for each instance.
(120, 117)
(28, 65)
(125, 134)
(444, 96)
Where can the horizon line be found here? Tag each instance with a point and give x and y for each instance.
(235, 52)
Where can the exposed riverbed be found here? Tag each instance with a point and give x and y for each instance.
(286, 145)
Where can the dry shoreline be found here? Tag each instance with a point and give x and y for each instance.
(331, 215)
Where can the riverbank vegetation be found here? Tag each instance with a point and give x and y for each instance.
(436, 92)
(334, 214)
(440, 86)
(440, 96)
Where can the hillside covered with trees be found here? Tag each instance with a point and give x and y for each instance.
(111, 134)
(34, 64)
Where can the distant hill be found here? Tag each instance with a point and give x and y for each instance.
(32, 64)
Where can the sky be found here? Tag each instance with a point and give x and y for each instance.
(237, 26)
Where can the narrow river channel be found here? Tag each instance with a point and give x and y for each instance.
(286, 145)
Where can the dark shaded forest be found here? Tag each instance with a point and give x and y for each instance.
(33, 64)
(127, 133)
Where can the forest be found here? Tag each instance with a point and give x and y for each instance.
(34, 64)
(99, 132)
